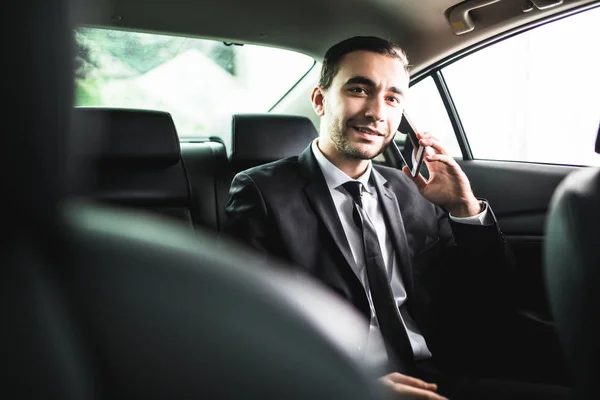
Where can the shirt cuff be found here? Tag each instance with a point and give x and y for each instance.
(482, 218)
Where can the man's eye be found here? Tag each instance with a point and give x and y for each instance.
(357, 90)
(394, 99)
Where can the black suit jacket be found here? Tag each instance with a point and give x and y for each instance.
(453, 273)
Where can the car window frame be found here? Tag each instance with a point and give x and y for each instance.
(435, 72)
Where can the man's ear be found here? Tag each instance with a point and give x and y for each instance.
(318, 101)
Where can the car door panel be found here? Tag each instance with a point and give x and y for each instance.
(519, 194)
(516, 190)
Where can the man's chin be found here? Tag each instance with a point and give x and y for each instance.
(361, 153)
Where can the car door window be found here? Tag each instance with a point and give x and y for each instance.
(533, 97)
(425, 108)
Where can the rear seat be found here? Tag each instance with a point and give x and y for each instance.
(206, 162)
(137, 163)
(262, 138)
(140, 163)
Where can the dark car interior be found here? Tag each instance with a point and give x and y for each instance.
(98, 305)
(116, 283)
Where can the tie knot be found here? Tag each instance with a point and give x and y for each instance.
(354, 188)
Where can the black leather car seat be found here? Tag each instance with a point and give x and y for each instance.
(572, 269)
(136, 161)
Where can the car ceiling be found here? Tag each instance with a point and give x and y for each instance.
(312, 26)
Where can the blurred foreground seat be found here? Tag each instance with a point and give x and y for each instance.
(94, 306)
(572, 268)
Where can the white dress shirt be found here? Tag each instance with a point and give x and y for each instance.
(375, 353)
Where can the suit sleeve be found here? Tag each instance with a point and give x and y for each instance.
(476, 259)
(478, 307)
(247, 217)
(481, 250)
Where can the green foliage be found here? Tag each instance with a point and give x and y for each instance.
(142, 52)
(87, 93)
(224, 56)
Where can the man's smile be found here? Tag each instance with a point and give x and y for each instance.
(367, 132)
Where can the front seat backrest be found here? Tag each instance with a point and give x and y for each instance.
(572, 269)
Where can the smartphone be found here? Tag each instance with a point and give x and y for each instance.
(418, 151)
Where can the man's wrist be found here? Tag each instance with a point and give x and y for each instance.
(467, 209)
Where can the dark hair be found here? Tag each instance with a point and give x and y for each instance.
(334, 55)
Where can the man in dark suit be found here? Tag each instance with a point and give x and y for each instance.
(418, 258)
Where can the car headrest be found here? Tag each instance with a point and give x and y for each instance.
(131, 135)
(262, 138)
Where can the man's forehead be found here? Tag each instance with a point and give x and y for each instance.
(377, 67)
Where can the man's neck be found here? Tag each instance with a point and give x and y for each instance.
(350, 166)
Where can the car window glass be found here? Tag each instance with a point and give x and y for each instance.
(425, 108)
(533, 97)
(200, 82)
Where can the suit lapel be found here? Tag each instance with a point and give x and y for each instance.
(318, 195)
(395, 227)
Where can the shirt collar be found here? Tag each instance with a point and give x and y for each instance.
(334, 176)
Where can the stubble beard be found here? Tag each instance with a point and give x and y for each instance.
(339, 138)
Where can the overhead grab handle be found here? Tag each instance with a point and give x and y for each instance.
(459, 17)
(461, 22)
(545, 4)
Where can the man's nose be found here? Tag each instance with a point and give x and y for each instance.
(375, 109)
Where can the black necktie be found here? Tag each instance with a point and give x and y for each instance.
(388, 315)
